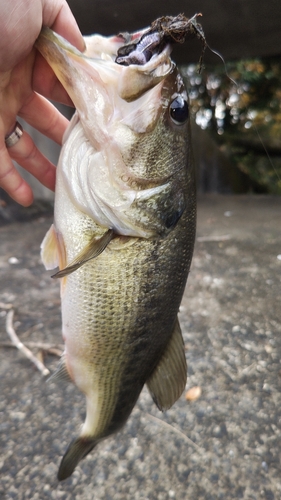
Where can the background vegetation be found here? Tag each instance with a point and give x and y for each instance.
(240, 105)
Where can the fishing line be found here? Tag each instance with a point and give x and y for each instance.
(174, 429)
(266, 152)
(224, 63)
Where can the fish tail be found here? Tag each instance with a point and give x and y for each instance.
(77, 450)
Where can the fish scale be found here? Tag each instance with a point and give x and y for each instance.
(107, 348)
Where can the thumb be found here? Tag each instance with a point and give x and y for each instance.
(58, 16)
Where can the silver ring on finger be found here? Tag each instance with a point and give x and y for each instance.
(12, 138)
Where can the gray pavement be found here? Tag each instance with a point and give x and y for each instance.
(224, 445)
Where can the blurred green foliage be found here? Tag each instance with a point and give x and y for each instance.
(241, 106)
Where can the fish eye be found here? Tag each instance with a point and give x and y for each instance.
(179, 111)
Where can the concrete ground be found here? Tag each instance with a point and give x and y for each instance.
(225, 444)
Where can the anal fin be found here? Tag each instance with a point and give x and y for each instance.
(94, 248)
(168, 380)
(61, 373)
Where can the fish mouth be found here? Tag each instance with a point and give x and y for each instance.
(136, 62)
(135, 67)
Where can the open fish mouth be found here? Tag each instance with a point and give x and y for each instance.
(146, 53)
(110, 61)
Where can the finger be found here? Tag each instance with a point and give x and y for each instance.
(26, 154)
(45, 117)
(58, 16)
(11, 181)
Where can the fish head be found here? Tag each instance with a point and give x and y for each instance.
(132, 107)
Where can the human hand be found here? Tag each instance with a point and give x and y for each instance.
(25, 82)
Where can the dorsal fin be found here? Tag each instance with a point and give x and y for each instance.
(168, 380)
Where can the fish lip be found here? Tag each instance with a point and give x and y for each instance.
(51, 36)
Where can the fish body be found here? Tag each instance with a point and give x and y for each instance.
(123, 232)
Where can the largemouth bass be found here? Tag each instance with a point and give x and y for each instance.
(124, 225)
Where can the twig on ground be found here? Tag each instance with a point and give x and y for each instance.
(223, 237)
(17, 343)
(5, 306)
(55, 349)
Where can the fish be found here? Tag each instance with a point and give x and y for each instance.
(124, 224)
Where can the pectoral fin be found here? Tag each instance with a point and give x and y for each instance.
(52, 249)
(94, 248)
(168, 380)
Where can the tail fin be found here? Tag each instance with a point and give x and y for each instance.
(77, 450)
